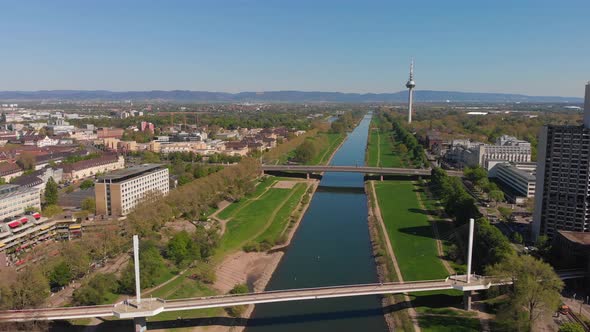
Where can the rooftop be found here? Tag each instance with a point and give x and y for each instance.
(582, 238)
(128, 172)
(527, 175)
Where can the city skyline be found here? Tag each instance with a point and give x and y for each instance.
(531, 48)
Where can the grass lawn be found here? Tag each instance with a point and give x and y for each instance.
(448, 324)
(414, 245)
(445, 228)
(234, 207)
(250, 220)
(184, 287)
(409, 230)
(334, 140)
(281, 219)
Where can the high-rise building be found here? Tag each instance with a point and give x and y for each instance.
(562, 196)
(411, 85)
(117, 193)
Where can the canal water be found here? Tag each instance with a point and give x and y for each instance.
(331, 247)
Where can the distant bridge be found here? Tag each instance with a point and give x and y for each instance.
(353, 169)
(153, 306)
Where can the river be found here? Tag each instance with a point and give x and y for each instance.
(331, 247)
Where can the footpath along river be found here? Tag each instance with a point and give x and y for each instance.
(331, 247)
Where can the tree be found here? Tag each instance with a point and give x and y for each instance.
(26, 161)
(305, 152)
(86, 184)
(535, 286)
(151, 266)
(60, 275)
(96, 291)
(496, 196)
(89, 205)
(51, 194)
(505, 212)
(52, 210)
(182, 249)
(30, 290)
(402, 149)
(76, 258)
(475, 174)
(571, 327)
(517, 238)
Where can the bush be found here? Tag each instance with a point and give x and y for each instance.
(571, 327)
(237, 311)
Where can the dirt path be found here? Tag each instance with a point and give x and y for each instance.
(377, 211)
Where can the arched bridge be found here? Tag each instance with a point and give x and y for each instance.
(353, 169)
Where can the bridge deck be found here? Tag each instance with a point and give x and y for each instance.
(151, 307)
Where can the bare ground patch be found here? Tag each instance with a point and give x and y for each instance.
(285, 184)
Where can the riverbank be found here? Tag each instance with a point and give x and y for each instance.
(255, 268)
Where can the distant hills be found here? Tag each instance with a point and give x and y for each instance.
(277, 96)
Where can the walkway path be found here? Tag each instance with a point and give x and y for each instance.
(377, 211)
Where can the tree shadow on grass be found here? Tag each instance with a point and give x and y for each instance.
(423, 211)
(424, 231)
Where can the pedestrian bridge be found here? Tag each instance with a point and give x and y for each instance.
(153, 306)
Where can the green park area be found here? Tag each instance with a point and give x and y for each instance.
(414, 244)
(332, 142)
(261, 219)
(381, 149)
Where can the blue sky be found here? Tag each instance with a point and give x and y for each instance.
(537, 47)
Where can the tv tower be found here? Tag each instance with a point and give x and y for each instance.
(410, 85)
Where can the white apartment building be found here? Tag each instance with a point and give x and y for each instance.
(119, 192)
(15, 199)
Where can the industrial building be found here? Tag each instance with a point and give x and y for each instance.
(119, 192)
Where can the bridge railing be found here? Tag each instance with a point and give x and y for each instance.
(376, 285)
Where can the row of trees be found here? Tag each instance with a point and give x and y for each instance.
(405, 137)
(346, 122)
(193, 199)
(479, 177)
(284, 148)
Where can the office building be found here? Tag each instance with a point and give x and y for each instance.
(117, 193)
(562, 198)
(518, 183)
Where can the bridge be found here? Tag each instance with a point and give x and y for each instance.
(353, 169)
(152, 306)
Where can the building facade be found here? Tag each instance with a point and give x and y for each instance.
(562, 198)
(14, 200)
(119, 192)
(86, 168)
(520, 183)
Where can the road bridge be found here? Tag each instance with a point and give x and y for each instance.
(308, 169)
